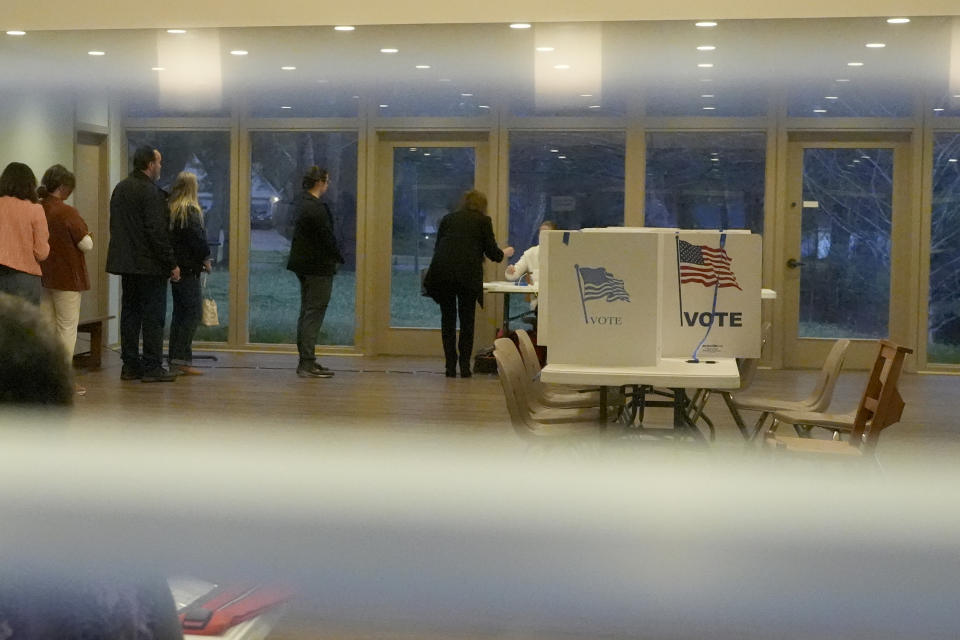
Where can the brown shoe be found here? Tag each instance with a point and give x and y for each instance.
(185, 370)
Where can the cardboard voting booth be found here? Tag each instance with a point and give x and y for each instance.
(629, 296)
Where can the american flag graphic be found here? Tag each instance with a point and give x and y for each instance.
(599, 284)
(706, 265)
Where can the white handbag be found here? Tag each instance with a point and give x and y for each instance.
(209, 316)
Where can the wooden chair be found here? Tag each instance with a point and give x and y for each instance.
(880, 406)
(817, 400)
(545, 424)
(548, 395)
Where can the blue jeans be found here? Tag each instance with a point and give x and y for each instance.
(187, 308)
(20, 284)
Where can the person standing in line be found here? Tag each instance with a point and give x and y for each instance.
(314, 257)
(24, 239)
(455, 277)
(65, 269)
(141, 254)
(192, 252)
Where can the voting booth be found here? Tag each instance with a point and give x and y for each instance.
(630, 296)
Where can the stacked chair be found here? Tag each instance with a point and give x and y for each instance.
(880, 406)
(531, 418)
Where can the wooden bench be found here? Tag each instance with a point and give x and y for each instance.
(94, 327)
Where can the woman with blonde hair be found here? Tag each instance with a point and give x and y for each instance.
(189, 240)
(65, 269)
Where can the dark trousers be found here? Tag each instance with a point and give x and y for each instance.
(453, 304)
(143, 309)
(21, 284)
(314, 298)
(186, 318)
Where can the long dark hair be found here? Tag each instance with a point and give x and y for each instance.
(18, 181)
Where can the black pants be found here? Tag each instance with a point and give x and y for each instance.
(18, 283)
(186, 319)
(314, 298)
(143, 309)
(452, 304)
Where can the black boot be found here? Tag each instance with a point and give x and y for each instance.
(465, 369)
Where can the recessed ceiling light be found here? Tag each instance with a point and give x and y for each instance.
(706, 79)
(288, 68)
(819, 110)
(423, 66)
(954, 160)
(714, 159)
(520, 25)
(705, 23)
(856, 162)
(16, 32)
(344, 27)
(355, 97)
(831, 97)
(96, 53)
(554, 150)
(706, 47)
(562, 157)
(586, 95)
(706, 95)
(957, 95)
(898, 20)
(467, 95)
(158, 68)
(413, 148)
(545, 49)
(444, 80)
(705, 65)
(322, 81)
(714, 153)
(483, 106)
(709, 108)
(938, 109)
(384, 106)
(561, 67)
(389, 50)
(854, 64)
(177, 32)
(239, 52)
(427, 153)
(842, 80)
(875, 45)
(285, 107)
(594, 106)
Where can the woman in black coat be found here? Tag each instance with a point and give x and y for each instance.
(455, 277)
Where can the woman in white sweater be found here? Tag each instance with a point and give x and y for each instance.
(528, 266)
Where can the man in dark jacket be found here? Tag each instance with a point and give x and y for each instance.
(140, 253)
(314, 257)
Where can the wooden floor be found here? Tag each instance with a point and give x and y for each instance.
(411, 397)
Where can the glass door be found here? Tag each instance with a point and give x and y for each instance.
(420, 180)
(844, 209)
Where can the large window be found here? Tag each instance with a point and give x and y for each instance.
(943, 329)
(575, 179)
(846, 221)
(278, 161)
(207, 155)
(428, 183)
(705, 180)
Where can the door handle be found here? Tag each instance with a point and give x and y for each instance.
(793, 264)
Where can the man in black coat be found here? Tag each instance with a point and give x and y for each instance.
(141, 254)
(314, 257)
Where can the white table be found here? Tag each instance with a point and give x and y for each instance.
(506, 288)
(678, 374)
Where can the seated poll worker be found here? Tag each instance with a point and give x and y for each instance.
(528, 266)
